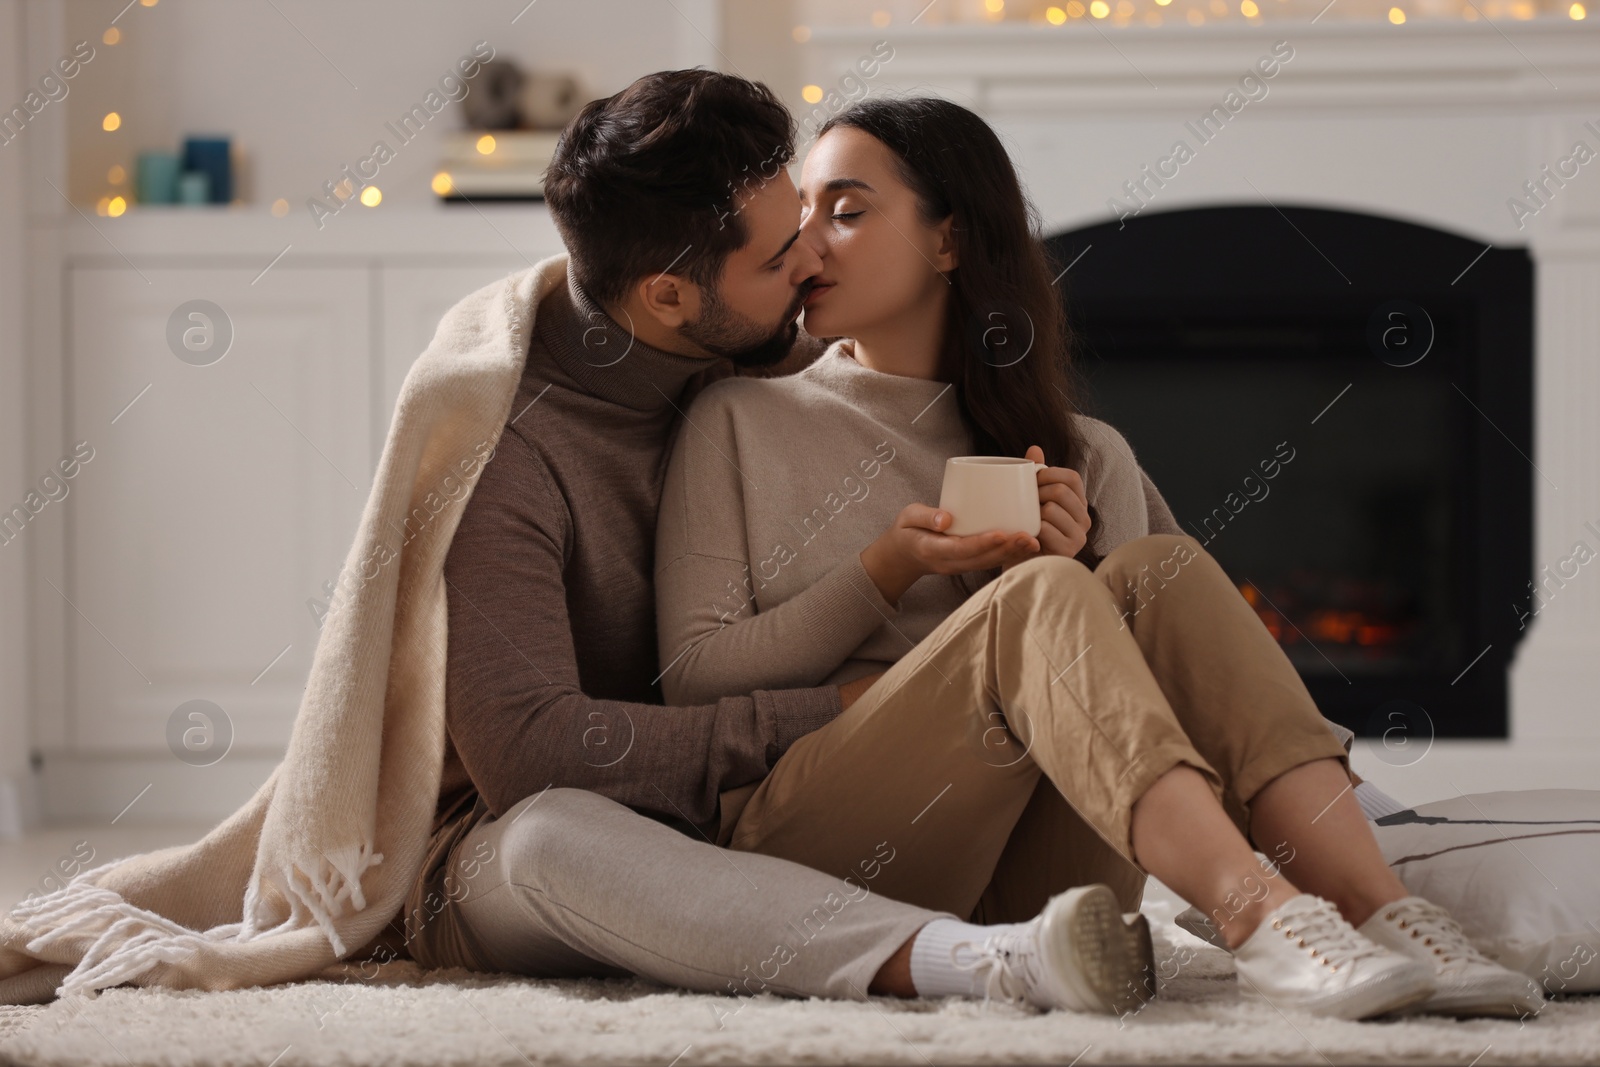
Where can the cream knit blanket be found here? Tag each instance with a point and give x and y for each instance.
(322, 857)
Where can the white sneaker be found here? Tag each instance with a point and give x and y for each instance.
(1080, 953)
(1305, 955)
(1466, 982)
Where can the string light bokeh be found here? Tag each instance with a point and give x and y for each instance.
(1049, 13)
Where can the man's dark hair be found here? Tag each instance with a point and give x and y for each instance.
(645, 181)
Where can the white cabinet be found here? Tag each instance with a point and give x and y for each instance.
(413, 300)
(228, 475)
(219, 496)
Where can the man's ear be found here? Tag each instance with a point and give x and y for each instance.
(945, 254)
(669, 299)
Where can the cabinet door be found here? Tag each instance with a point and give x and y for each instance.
(414, 299)
(232, 459)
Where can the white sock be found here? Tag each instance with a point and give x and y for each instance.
(1375, 803)
(932, 972)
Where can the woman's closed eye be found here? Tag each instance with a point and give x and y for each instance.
(847, 214)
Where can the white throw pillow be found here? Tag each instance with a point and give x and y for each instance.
(1519, 870)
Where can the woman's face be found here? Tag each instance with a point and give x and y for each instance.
(880, 260)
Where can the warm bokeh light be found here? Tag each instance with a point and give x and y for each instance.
(111, 122)
(372, 196)
(1195, 12)
(116, 206)
(811, 94)
(148, 3)
(486, 145)
(117, 174)
(111, 36)
(443, 183)
(280, 208)
(101, 206)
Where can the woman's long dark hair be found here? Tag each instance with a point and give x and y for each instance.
(1007, 345)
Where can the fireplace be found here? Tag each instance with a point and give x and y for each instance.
(1339, 407)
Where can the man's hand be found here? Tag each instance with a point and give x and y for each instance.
(850, 690)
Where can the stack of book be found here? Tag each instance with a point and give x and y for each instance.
(494, 165)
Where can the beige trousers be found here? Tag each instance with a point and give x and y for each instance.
(998, 761)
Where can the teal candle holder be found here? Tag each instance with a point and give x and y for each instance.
(156, 177)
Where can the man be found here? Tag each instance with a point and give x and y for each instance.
(681, 224)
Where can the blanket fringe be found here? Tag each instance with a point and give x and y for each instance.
(108, 963)
(77, 893)
(133, 940)
(114, 956)
(320, 891)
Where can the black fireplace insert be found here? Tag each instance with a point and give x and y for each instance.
(1339, 406)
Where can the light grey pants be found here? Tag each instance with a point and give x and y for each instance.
(569, 883)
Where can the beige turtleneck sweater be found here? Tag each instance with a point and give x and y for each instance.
(776, 485)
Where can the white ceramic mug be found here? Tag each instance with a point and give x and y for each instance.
(991, 493)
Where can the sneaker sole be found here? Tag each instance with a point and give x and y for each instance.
(1107, 962)
(1502, 1004)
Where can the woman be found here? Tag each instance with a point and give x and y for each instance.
(1103, 673)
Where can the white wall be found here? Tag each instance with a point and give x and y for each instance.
(14, 677)
(306, 91)
(277, 84)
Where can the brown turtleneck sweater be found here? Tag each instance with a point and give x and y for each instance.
(552, 677)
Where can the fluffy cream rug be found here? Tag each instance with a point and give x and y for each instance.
(402, 1015)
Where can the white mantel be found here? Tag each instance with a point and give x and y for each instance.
(1438, 124)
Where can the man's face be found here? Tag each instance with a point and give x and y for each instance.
(750, 315)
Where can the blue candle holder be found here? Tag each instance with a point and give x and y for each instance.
(210, 156)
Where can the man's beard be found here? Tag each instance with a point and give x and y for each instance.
(724, 332)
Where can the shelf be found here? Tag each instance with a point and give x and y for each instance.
(249, 233)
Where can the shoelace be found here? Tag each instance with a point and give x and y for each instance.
(1438, 930)
(1010, 959)
(1329, 935)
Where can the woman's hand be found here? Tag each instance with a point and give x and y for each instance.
(916, 545)
(1063, 509)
